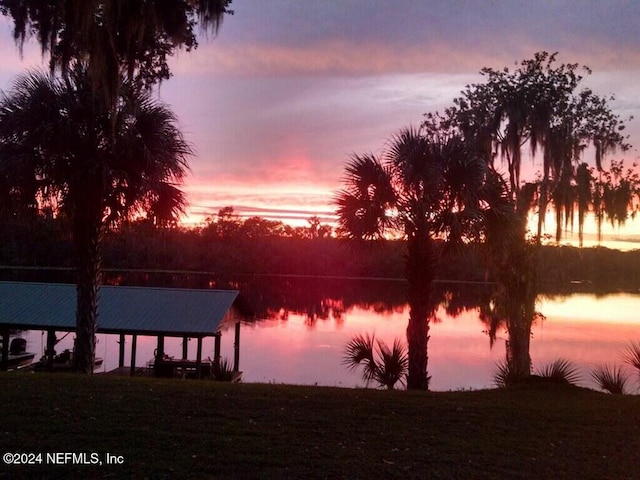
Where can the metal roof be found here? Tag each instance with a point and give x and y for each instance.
(140, 310)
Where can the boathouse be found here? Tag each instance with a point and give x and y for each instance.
(126, 311)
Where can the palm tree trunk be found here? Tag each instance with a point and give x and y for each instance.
(87, 241)
(418, 338)
(518, 345)
(420, 273)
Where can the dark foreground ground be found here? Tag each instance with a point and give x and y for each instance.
(199, 429)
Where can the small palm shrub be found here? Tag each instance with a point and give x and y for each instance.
(610, 379)
(560, 371)
(222, 370)
(386, 368)
(507, 375)
(503, 376)
(631, 356)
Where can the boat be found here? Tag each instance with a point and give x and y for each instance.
(18, 356)
(60, 363)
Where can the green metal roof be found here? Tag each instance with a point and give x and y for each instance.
(140, 310)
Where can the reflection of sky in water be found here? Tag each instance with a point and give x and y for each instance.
(584, 329)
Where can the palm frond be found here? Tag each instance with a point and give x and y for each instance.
(408, 156)
(560, 371)
(389, 369)
(394, 364)
(165, 204)
(507, 375)
(610, 379)
(631, 356)
(504, 375)
(360, 352)
(364, 205)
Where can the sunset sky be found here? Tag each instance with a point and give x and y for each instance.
(288, 90)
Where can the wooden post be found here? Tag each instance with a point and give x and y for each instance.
(160, 347)
(185, 348)
(157, 367)
(134, 341)
(199, 358)
(236, 349)
(50, 351)
(216, 349)
(121, 356)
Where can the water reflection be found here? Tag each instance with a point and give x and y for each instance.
(300, 327)
(290, 352)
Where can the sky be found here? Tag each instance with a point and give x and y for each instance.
(288, 90)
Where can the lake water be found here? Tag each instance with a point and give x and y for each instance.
(306, 348)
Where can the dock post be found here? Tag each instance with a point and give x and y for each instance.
(134, 341)
(236, 349)
(121, 356)
(185, 348)
(160, 347)
(158, 367)
(216, 349)
(199, 358)
(50, 352)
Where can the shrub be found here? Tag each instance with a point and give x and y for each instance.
(560, 371)
(631, 356)
(390, 367)
(610, 379)
(222, 370)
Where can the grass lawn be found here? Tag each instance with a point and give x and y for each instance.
(201, 429)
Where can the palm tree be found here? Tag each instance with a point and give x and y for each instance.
(100, 164)
(432, 190)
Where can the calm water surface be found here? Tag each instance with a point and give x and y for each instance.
(295, 348)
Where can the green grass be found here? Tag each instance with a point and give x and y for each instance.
(202, 429)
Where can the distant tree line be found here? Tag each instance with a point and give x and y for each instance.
(228, 246)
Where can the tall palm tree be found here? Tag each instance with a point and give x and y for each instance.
(432, 190)
(100, 164)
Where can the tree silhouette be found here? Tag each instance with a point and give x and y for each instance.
(537, 104)
(100, 165)
(433, 190)
(113, 37)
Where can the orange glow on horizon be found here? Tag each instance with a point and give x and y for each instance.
(294, 204)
